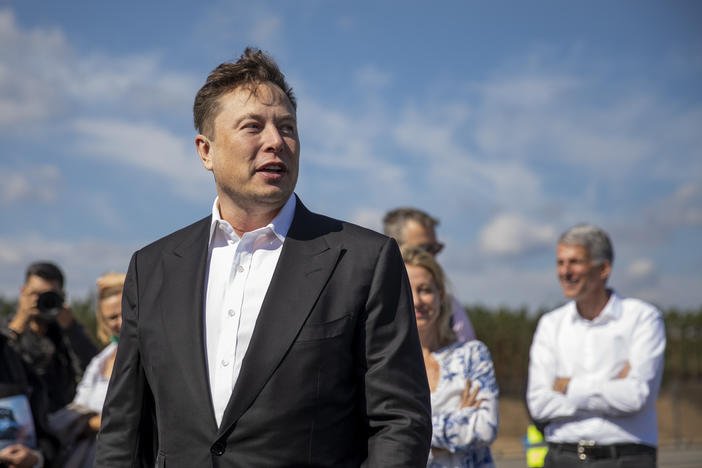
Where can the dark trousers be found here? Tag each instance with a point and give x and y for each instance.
(559, 458)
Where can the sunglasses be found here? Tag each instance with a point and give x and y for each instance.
(433, 248)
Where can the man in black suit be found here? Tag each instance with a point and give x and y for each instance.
(264, 334)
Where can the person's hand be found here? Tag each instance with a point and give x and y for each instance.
(94, 422)
(470, 398)
(561, 384)
(624, 372)
(19, 456)
(26, 311)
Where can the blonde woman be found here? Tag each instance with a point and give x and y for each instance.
(93, 387)
(461, 375)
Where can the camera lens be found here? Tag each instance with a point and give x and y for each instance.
(49, 303)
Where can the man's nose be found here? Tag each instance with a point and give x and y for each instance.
(273, 141)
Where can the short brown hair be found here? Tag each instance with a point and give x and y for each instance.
(252, 68)
(394, 222)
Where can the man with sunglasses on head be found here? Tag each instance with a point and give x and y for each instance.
(415, 228)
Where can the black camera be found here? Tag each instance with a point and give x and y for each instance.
(49, 304)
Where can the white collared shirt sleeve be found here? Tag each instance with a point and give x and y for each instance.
(627, 395)
(544, 402)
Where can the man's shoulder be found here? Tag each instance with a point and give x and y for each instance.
(188, 233)
(632, 305)
(338, 230)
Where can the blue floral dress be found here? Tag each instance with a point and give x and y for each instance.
(464, 433)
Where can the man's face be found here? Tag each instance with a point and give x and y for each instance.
(35, 286)
(579, 276)
(254, 151)
(416, 235)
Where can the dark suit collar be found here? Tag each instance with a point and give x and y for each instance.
(305, 264)
(182, 308)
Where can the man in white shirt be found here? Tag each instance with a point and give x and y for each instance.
(264, 335)
(595, 364)
(415, 228)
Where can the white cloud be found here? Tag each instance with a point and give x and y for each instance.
(35, 183)
(682, 208)
(265, 29)
(372, 77)
(82, 260)
(436, 137)
(42, 77)
(641, 269)
(346, 146)
(369, 218)
(510, 234)
(144, 146)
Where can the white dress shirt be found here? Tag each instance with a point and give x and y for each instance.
(598, 406)
(239, 273)
(92, 388)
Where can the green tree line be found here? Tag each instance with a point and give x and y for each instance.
(507, 332)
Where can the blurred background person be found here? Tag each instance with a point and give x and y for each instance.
(78, 423)
(45, 334)
(93, 387)
(596, 363)
(461, 375)
(17, 380)
(415, 228)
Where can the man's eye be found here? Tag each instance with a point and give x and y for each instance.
(287, 129)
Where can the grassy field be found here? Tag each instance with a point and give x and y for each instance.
(679, 420)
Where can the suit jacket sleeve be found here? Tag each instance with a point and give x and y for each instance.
(396, 389)
(126, 410)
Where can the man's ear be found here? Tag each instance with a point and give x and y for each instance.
(204, 149)
(606, 270)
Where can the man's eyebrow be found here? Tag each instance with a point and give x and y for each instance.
(255, 116)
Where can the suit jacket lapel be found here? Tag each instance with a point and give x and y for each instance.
(182, 305)
(305, 264)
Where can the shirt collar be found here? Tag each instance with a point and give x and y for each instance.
(611, 311)
(279, 225)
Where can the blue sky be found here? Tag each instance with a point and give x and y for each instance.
(509, 121)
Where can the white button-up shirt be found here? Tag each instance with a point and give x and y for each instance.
(239, 273)
(598, 406)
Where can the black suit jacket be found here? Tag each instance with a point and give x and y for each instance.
(333, 375)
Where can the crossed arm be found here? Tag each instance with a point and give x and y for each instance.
(550, 396)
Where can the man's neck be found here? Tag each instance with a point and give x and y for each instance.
(246, 218)
(590, 306)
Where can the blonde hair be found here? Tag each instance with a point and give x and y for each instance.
(109, 285)
(418, 257)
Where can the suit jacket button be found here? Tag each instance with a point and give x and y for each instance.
(217, 449)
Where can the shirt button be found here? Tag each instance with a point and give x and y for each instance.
(231, 312)
(225, 363)
(240, 269)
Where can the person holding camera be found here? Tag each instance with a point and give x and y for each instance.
(44, 333)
